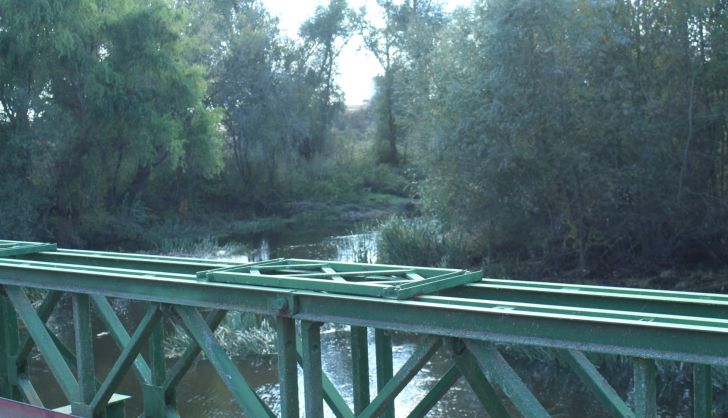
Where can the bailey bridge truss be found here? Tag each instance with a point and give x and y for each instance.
(456, 312)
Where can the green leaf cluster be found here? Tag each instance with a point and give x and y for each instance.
(581, 135)
(97, 102)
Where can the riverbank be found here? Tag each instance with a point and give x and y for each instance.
(230, 231)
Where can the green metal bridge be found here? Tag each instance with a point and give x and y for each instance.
(455, 312)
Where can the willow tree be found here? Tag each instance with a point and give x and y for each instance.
(123, 106)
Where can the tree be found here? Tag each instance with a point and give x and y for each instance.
(325, 35)
(561, 142)
(110, 83)
(402, 47)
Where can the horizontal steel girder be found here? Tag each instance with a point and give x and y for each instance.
(679, 326)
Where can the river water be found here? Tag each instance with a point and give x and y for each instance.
(202, 393)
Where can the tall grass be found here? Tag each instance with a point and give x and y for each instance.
(362, 247)
(422, 242)
(240, 334)
(206, 247)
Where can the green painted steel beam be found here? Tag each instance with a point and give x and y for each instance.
(555, 329)
(586, 293)
(436, 393)
(47, 347)
(18, 249)
(7, 360)
(206, 274)
(66, 352)
(644, 388)
(499, 373)
(181, 367)
(637, 338)
(409, 369)
(343, 266)
(198, 329)
(362, 273)
(147, 257)
(120, 336)
(702, 391)
(602, 297)
(468, 366)
(336, 277)
(610, 315)
(11, 344)
(431, 285)
(550, 289)
(129, 262)
(514, 308)
(331, 395)
(154, 394)
(126, 358)
(384, 365)
(313, 391)
(646, 324)
(558, 294)
(156, 355)
(9, 243)
(94, 269)
(594, 381)
(360, 368)
(539, 329)
(44, 312)
(83, 338)
(287, 366)
(288, 282)
(28, 390)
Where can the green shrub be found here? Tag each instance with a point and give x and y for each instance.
(423, 242)
(410, 241)
(240, 334)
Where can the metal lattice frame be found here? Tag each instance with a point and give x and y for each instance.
(455, 311)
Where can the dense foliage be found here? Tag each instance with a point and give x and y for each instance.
(118, 115)
(583, 134)
(96, 104)
(546, 136)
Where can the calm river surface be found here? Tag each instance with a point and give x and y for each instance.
(202, 393)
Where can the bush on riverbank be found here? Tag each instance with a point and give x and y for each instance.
(240, 334)
(422, 242)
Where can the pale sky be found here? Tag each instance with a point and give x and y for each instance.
(357, 67)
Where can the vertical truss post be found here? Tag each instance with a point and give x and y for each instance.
(83, 338)
(409, 369)
(645, 388)
(360, 367)
(155, 401)
(312, 372)
(9, 343)
(385, 367)
(702, 391)
(287, 366)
